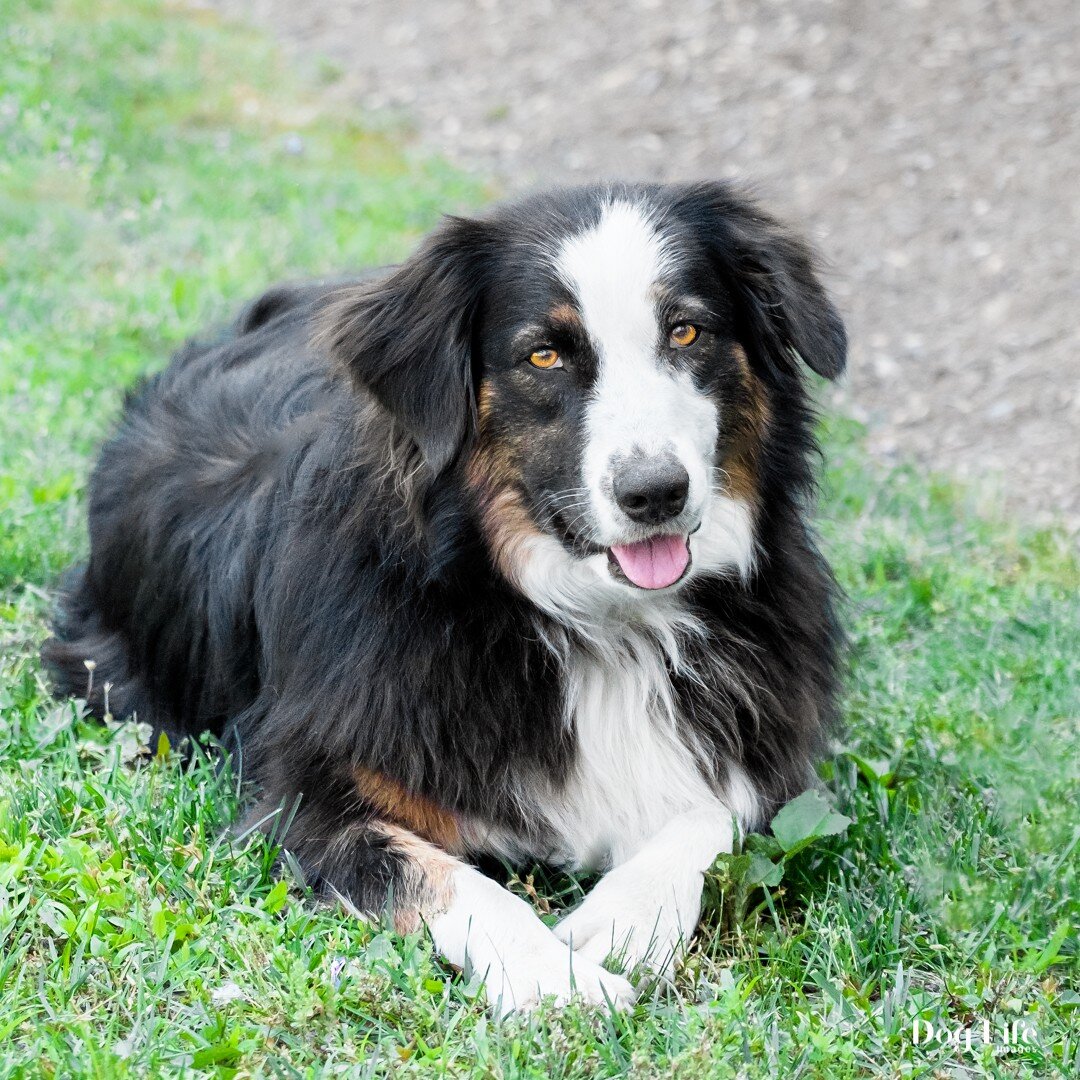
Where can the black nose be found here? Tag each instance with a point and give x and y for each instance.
(651, 490)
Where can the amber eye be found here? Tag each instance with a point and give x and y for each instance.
(545, 358)
(682, 335)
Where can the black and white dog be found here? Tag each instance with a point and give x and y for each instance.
(498, 553)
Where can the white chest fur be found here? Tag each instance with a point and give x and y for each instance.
(636, 764)
(634, 769)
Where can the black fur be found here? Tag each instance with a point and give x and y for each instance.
(286, 549)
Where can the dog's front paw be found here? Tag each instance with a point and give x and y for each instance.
(639, 919)
(523, 981)
(498, 940)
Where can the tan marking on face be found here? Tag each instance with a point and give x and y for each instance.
(565, 317)
(414, 812)
(429, 879)
(509, 526)
(740, 469)
(485, 401)
(493, 475)
(760, 413)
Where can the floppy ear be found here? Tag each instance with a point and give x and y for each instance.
(774, 273)
(407, 338)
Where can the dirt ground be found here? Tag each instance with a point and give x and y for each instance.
(931, 148)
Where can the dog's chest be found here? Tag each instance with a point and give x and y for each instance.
(634, 767)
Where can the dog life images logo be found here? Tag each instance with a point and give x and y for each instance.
(1004, 1038)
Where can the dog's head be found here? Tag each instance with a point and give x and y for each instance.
(603, 369)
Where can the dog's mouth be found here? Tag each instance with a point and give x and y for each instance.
(656, 563)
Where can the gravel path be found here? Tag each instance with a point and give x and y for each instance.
(931, 148)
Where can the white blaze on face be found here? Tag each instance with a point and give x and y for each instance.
(640, 405)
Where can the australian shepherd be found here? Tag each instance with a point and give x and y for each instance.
(499, 554)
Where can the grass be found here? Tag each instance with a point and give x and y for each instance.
(157, 168)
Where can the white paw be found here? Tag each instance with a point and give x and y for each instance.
(497, 938)
(638, 919)
(549, 970)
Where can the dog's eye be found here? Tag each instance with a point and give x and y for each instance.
(545, 358)
(682, 335)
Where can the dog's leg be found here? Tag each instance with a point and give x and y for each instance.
(476, 924)
(646, 909)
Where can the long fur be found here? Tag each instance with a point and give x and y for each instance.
(311, 536)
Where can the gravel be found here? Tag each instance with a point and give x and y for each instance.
(931, 150)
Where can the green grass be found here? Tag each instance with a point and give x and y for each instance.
(149, 179)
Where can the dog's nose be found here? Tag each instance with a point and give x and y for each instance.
(653, 490)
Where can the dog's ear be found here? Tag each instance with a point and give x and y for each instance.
(774, 275)
(408, 338)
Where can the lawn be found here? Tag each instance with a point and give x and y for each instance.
(157, 167)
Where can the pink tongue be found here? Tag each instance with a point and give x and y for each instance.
(654, 563)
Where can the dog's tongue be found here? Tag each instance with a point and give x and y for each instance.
(654, 563)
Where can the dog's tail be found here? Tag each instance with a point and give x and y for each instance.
(86, 659)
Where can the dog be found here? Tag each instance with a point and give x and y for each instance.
(499, 554)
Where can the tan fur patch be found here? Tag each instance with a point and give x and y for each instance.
(741, 467)
(484, 402)
(565, 316)
(508, 527)
(429, 887)
(493, 475)
(400, 807)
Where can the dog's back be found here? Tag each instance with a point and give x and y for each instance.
(164, 605)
